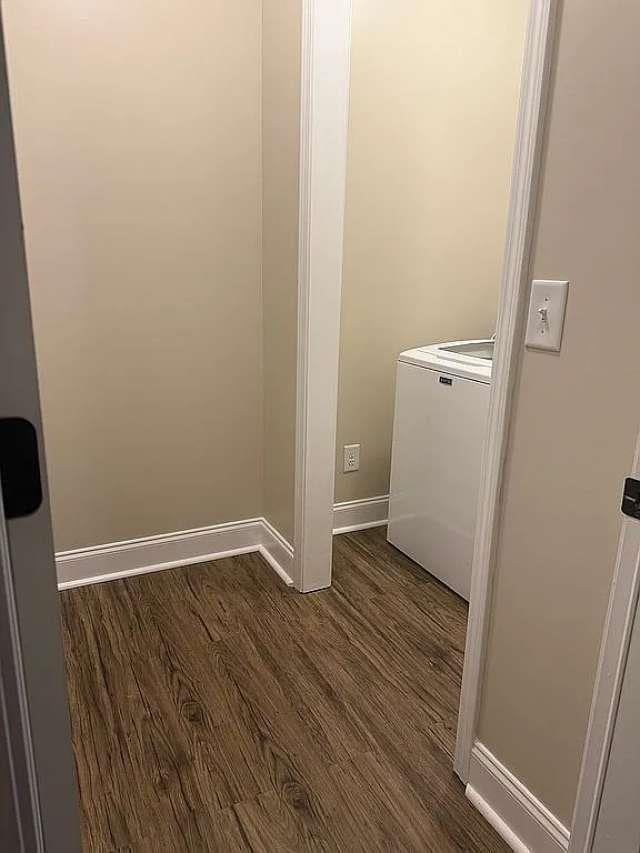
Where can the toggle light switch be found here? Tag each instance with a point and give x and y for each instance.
(546, 314)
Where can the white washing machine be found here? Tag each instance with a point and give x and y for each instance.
(439, 433)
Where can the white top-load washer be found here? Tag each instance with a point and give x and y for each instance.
(439, 433)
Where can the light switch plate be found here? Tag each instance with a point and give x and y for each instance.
(351, 458)
(547, 308)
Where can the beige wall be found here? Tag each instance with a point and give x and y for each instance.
(137, 130)
(433, 103)
(576, 414)
(281, 21)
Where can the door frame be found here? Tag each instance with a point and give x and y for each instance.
(35, 708)
(325, 78)
(614, 651)
(14, 708)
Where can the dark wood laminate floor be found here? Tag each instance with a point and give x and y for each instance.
(214, 709)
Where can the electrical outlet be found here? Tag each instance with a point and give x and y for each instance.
(351, 458)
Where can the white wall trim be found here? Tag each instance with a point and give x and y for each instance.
(519, 817)
(513, 300)
(277, 551)
(614, 651)
(492, 817)
(326, 43)
(349, 516)
(116, 560)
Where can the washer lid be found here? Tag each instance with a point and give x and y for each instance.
(469, 359)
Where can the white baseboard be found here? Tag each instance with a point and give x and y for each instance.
(101, 563)
(515, 813)
(276, 551)
(361, 514)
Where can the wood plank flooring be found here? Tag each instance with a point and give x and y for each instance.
(216, 710)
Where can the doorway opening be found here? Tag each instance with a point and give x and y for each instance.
(158, 632)
(324, 354)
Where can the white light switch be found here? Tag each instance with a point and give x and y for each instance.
(546, 314)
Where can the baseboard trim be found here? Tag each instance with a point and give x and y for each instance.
(504, 831)
(102, 563)
(277, 551)
(349, 516)
(515, 813)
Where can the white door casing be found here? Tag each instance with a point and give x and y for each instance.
(35, 709)
(606, 817)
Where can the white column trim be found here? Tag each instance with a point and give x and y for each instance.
(326, 43)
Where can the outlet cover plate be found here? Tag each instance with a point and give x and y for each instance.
(547, 308)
